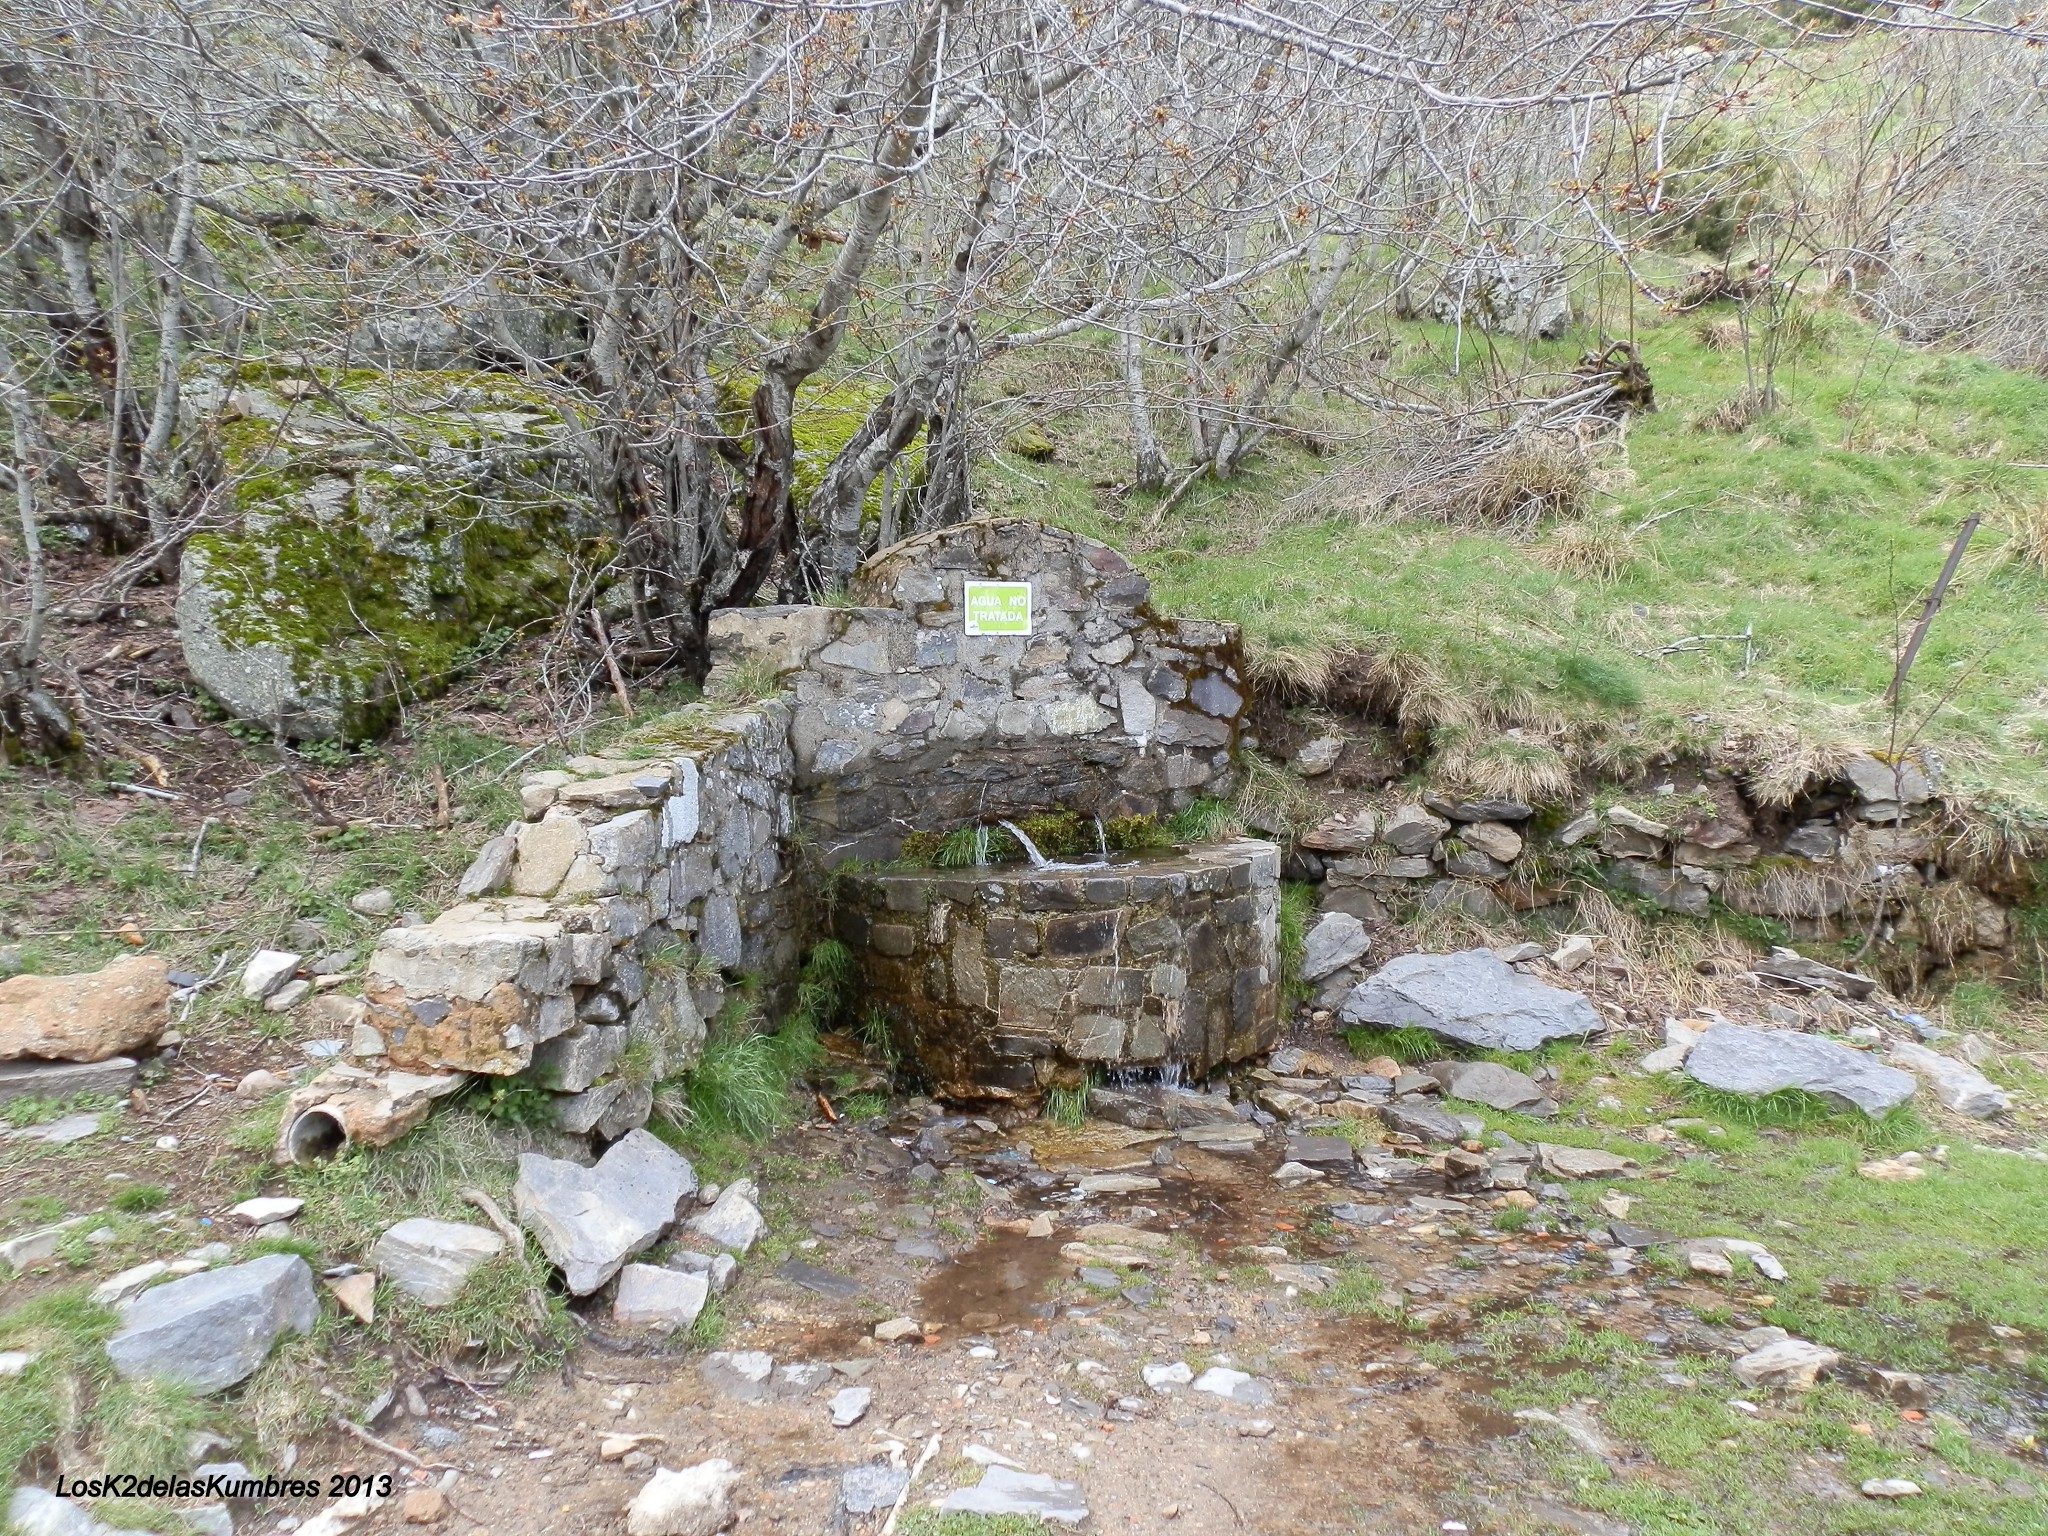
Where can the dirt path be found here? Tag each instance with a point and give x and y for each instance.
(1350, 1426)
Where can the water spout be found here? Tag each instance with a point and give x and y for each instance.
(1040, 861)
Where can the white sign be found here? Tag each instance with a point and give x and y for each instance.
(998, 607)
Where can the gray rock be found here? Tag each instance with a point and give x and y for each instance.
(430, 1260)
(744, 1375)
(1319, 756)
(1492, 838)
(1667, 888)
(214, 1329)
(850, 1406)
(1336, 940)
(378, 901)
(649, 1297)
(1524, 296)
(1495, 1086)
(1422, 1121)
(1754, 1062)
(1413, 831)
(1033, 1495)
(864, 1490)
(1320, 1149)
(1472, 998)
(267, 971)
(824, 1281)
(718, 1269)
(734, 1222)
(38, 1512)
(1903, 782)
(1814, 840)
(491, 867)
(591, 1220)
(1793, 1363)
(65, 1079)
(1480, 810)
(61, 1132)
(800, 1378)
(577, 1058)
(1962, 1088)
(1472, 864)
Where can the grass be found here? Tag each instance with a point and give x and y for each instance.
(1066, 1106)
(929, 1522)
(1815, 531)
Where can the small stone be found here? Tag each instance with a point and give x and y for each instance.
(1890, 1488)
(1116, 1184)
(288, 996)
(652, 1297)
(1319, 756)
(120, 1289)
(897, 1329)
(1889, 1170)
(267, 970)
(14, 1362)
(864, 1490)
(1334, 942)
(733, 1222)
(1791, 1363)
(378, 901)
(1714, 1264)
(1238, 1386)
(1160, 1377)
(260, 1084)
(850, 1405)
(266, 1209)
(424, 1506)
(357, 1294)
(1581, 1162)
(745, 1375)
(693, 1502)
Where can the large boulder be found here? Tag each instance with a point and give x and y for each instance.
(1754, 1062)
(91, 1016)
(591, 1220)
(1522, 296)
(211, 1330)
(385, 524)
(1471, 997)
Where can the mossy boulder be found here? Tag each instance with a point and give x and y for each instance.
(387, 528)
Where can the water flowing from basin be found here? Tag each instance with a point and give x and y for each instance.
(1040, 861)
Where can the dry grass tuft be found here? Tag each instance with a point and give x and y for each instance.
(2028, 529)
(1778, 763)
(1275, 799)
(1738, 413)
(1593, 551)
(1509, 764)
(1721, 333)
(1445, 470)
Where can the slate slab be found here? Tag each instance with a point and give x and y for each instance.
(1754, 1062)
(1473, 998)
(214, 1329)
(589, 1221)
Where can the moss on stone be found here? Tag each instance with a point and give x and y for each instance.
(376, 559)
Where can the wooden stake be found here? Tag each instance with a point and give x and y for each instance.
(1934, 601)
(611, 664)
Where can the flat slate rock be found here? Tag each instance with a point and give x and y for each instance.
(591, 1220)
(824, 1281)
(864, 1490)
(1495, 1086)
(1337, 939)
(211, 1330)
(1473, 998)
(1627, 1235)
(1320, 1149)
(1030, 1494)
(1422, 1121)
(430, 1260)
(1738, 1059)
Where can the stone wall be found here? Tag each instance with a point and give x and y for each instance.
(1873, 847)
(904, 722)
(1003, 982)
(598, 934)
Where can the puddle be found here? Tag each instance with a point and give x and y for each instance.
(993, 1287)
(1096, 1146)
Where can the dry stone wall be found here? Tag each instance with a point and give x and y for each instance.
(598, 931)
(1005, 982)
(903, 720)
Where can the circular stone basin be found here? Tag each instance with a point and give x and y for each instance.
(1002, 982)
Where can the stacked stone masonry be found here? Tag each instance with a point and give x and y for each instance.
(1006, 982)
(601, 929)
(903, 721)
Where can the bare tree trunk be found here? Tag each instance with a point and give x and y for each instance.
(1150, 459)
(32, 723)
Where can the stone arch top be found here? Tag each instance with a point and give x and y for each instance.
(907, 719)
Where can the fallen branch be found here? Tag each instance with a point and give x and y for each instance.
(396, 1452)
(190, 868)
(931, 1449)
